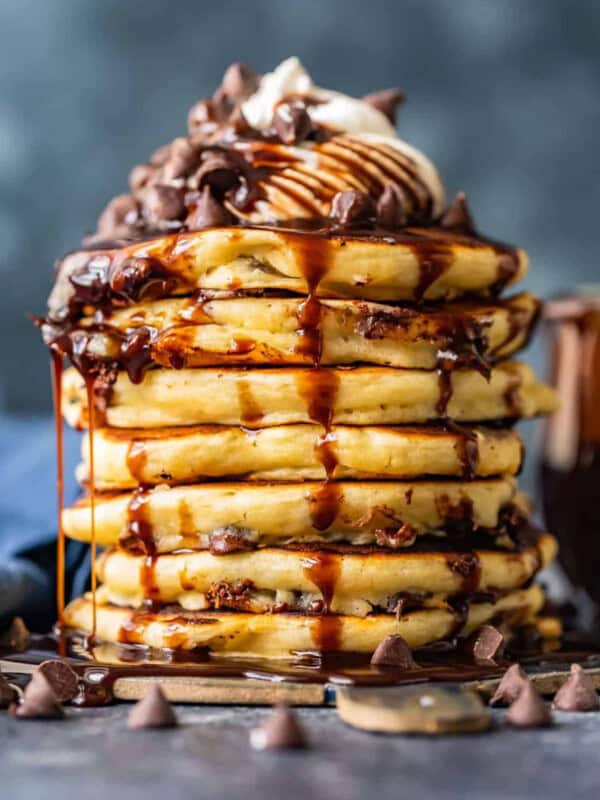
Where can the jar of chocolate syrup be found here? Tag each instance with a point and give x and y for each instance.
(571, 450)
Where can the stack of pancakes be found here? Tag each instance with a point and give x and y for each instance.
(296, 375)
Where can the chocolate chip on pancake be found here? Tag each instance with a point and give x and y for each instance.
(208, 212)
(391, 207)
(352, 207)
(292, 122)
(162, 203)
(239, 82)
(457, 216)
(386, 101)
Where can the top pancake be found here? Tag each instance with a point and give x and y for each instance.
(412, 264)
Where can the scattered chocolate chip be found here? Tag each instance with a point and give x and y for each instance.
(152, 711)
(510, 687)
(393, 652)
(208, 212)
(488, 645)
(352, 207)
(577, 693)
(140, 176)
(529, 709)
(390, 207)
(281, 731)
(292, 122)
(16, 636)
(122, 210)
(386, 101)
(39, 701)
(62, 678)
(163, 203)
(8, 694)
(239, 82)
(457, 216)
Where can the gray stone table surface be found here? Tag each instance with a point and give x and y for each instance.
(93, 756)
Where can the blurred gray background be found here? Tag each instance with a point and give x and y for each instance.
(502, 94)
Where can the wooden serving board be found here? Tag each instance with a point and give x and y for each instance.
(249, 691)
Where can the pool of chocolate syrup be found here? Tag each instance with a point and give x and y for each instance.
(101, 665)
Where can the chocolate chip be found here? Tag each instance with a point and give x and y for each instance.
(163, 203)
(281, 731)
(135, 278)
(61, 677)
(457, 216)
(390, 207)
(510, 687)
(183, 158)
(122, 210)
(201, 118)
(292, 122)
(239, 82)
(17, 636)
(529, 709)
(39, 701)
(208, 212)
(393, 652)
(488, 645)
(394, 538)
(386, 101)
(352, 207)
(152, 711)
(140, 176)
(158, 157)
(218, 171)
(577, 693)
(8, 694)
(230, 540)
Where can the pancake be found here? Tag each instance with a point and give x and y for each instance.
(279, 396)
(225, 517)
(346, 583)
(283, 635)
(194, 332)
(124, 458)
(405, 265)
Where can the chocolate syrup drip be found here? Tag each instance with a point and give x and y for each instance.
(468, 568)
(57, 366)
(251, 413)
(137, 457)
(324, 505)
(467, 447)
(323, 569)
(89, 386)
(140, 538)
(508, 267)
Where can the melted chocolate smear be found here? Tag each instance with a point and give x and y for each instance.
(251, 413)
(323, 570)
(467, 446)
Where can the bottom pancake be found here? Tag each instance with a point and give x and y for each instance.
(283, 635)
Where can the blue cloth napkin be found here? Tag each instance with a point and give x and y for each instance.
(28, 521)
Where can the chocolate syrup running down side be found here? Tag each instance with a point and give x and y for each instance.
(571, 461)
